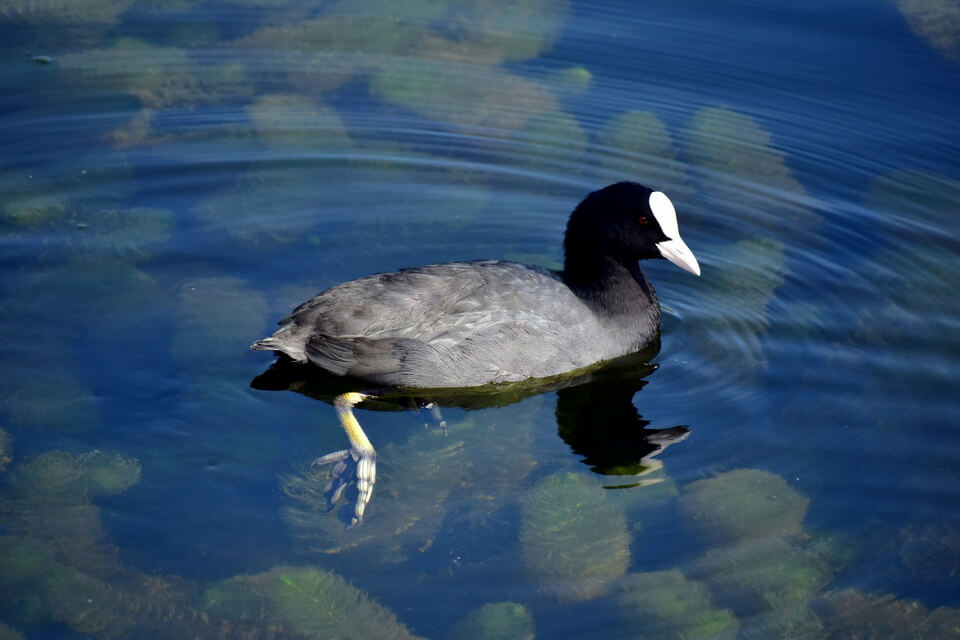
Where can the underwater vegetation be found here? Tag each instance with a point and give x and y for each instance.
(741, 166)
(574, 538)
(850, 614)
(665, 604)
(547, 140)
(9, 633)
(495, 621)
(290, 121)
(470, 473)
(749, 271)
(5, 450)
(171, 79)
(49, 498)
(639, 144)
(62, 12)
(937, 22)
(744, 504)
(304, 601)
(414, 479)
(58, 564)
(462, 94)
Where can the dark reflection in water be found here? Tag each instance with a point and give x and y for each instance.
(595, 412)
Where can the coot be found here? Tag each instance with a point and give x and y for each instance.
(464, 324)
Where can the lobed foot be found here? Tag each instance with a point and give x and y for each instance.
(359, 461)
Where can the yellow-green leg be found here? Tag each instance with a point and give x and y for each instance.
(361, 451)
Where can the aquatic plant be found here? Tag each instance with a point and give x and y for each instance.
(574, 539)
(500, 455)
(850, 614)
(9, 633)
(569, 81)
(217, 317)
(37, 587)
(495, 621)
(770, 581)
(49, 501)
(306, 601)
(6, 450)
(109, 472)
(34, 210)
(936, 21)
(664, 604)
(129, 234)
(750, 272)
(930, 552)
(414, 480)
(263, 205)
(496, 31)
(637, 145)
(316, 55)
(51, 398)
(547, 140)
(739, 158)
(62, 12)
(741, 505)
(461, 94)
(160, 77)
(284, 121)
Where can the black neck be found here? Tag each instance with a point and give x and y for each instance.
(611, 285)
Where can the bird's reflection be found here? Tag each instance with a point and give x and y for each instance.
(595, 413)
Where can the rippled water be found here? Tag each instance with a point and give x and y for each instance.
(177, 176)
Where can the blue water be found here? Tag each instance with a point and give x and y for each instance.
(175, 177)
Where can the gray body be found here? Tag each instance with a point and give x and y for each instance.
(464, 324)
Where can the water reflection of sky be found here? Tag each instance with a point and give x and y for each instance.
(176, 176)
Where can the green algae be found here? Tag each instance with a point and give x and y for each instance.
(574, 538)
(462, 94)
(506, 30)
(936, 21)
(495, 621)
(294, 122)
(307, 602)
(62, 12)
(9, 633)
(852, 614)
(665, 604)
(414, 480)
(34, 210)
(637, 145)
(767, 574)
(742, 505)
(738, 156)
(51, 398)
(160, 77)
(110, 473)
(569, 81)
(49, 500)
(548, 140)
(128, 234)
(262, 205)
(749, 272)
(318, 55)
(36, 587)
(6, 449)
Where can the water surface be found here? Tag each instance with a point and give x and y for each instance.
(177, 176)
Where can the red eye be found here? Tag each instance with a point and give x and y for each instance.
(642, 219)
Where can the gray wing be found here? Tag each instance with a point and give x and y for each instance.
(457, 324)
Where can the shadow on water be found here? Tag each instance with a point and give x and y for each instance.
(595, 413)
